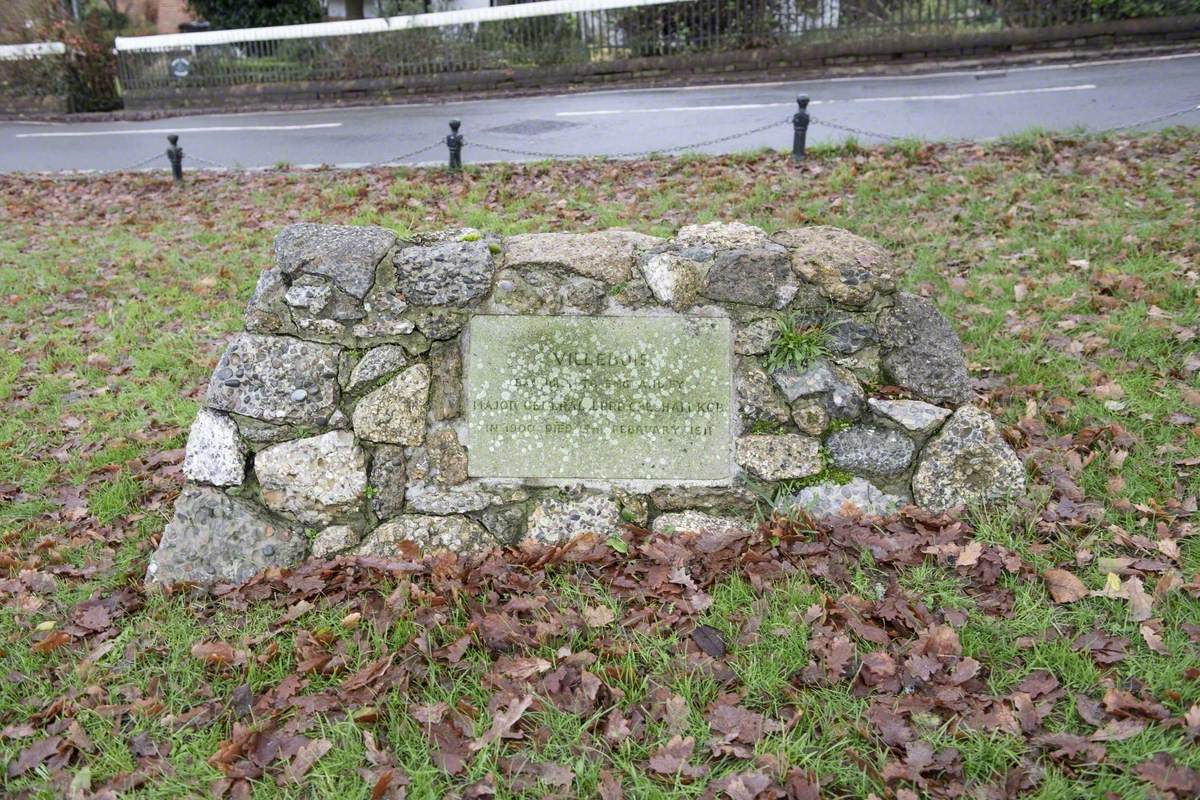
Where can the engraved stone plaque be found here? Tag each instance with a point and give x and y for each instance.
(611, 398)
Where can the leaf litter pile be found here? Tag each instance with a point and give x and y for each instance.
(1050, 650)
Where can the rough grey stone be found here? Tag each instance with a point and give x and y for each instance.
(333, 540)
(735, 499)
(430, 533)
(778, 458)
(921, 352)
(754, 338)
(912, 415)
(215, 453)
(541, 291)
(857, 498)
(699, 522)
(312, 298)
(377, 363)
(445, 274)
(258, 433)
(607, 256)
(553, 520)
(267, 312)
(845, 336)
(395, 412)
(386, 318)
(847, 269)
(215, 538)
(673, 279)
(434, 498)
(387, 481)
(447, 458)
(758, 399)
(346, 255)
(835, 387)
(967, 463)
(506, 523)
(715, 236)
(754, 277)
(439, 323)
(315, 479)
(810, 415)
(445, 385)
(864, 365)
(264, 372)
(870, 450)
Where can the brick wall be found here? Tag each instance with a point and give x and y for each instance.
(170, 14)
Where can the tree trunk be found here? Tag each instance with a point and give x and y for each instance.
(354, 9)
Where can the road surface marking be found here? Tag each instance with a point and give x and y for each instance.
(1081, 87)
(791, 103)
(213, 129)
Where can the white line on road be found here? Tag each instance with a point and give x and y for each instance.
(1082, 87)
(893, 99)
(211, 129)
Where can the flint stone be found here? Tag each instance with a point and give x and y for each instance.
(754, 277)
(385, 319)
(758, 399)
(387, 481)
(312, 298)
(778, 458)
(921, 352)
(314, 479)
(545, 292)
(967, 463)
(912, 415)
(377, 363)
(673, 279)
(445, 386)
(716, 236)
(847, 336)
(833, 386)
(215, 452)
(810, 416)
(347, 255)
(870, 450)
(847, 269)
(215, 538)
(554, 521)
(506, 523)
(864, 365)
(699, 522)
(430, 533)
(268, 370)
(857, 498)
(607, 256)
(333, 540)
(445, 274)
(395, 412)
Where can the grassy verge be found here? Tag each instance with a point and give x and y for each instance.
(1072, 268)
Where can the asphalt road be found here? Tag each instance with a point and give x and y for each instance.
(947, 105)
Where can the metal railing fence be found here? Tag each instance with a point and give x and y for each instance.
(563, 32)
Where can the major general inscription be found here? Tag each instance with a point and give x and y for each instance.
(616, 398)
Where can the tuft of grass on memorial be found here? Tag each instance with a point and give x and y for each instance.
(795, 346)
(1071, 267)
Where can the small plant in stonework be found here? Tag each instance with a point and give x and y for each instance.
(795, 346)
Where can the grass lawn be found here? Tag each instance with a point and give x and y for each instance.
(1051, 651)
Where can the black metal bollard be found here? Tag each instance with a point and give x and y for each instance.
(800, 129)
(455, 144)
(175, 156)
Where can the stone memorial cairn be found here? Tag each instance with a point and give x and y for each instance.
(336, 423)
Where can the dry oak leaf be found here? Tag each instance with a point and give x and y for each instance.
(502, 723)
(598, 616)
(969, 556)
(1063, 586)
(672, 758)
(1118, 730)
(304, 759)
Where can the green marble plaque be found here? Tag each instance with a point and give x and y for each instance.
(612, 398)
